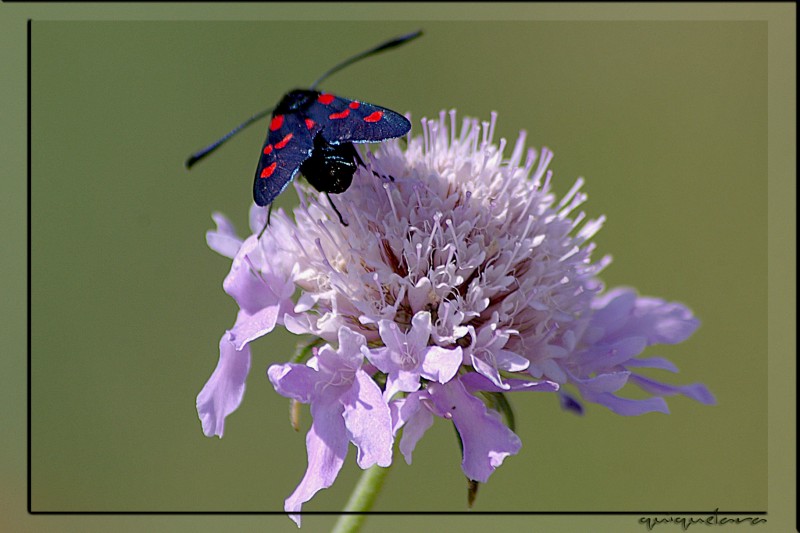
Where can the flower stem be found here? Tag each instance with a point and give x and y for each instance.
(361, 500)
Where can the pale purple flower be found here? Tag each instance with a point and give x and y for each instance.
(264, 298)
(620, 327)
(459, 277)
(486, 440)
(224, 390)
(346, 406)
(407, 357)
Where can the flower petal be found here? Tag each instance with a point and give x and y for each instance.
(613, 309)
(511, 362)
(695, 391)
(488, 370)
(420, 294)
(224, 239)
(326, 445)
(347, 358)
(247, 287)
(401, 380)
(380, 357)
(410, 414)
(652, 362)
(350, 344)
(392, 337)
(608, 382)
(300, 324)
(474, 382)
(250, 327)
(620, 313)
(605, 356)
(665, 322)
(441, 364)
(626, 406)
(420, 331)
(486, 441)
(369, 421)
(293, 381)
(224, 390)
(258, 217)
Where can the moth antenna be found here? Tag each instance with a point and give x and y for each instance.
(333, 205)
(197, 156)
(397, 41)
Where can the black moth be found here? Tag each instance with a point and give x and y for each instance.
(313, 132)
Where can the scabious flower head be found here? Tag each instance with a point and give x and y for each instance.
(458, 276)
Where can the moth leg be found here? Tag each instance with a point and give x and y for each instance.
(269, 214)
(359, 161)
(389, 177)
(333, 205)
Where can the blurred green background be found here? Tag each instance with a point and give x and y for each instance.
(667, 121)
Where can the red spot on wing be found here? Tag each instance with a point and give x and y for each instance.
(343, 114)
(325, 98)
(354, 105)
(374, 117)
(276, 123)
(267, 172)
(268, 149)
(283, 141)
(310, 123)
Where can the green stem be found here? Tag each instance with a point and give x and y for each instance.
(361, 500)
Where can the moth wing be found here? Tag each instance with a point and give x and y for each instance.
(289, 142)
(344, 120)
